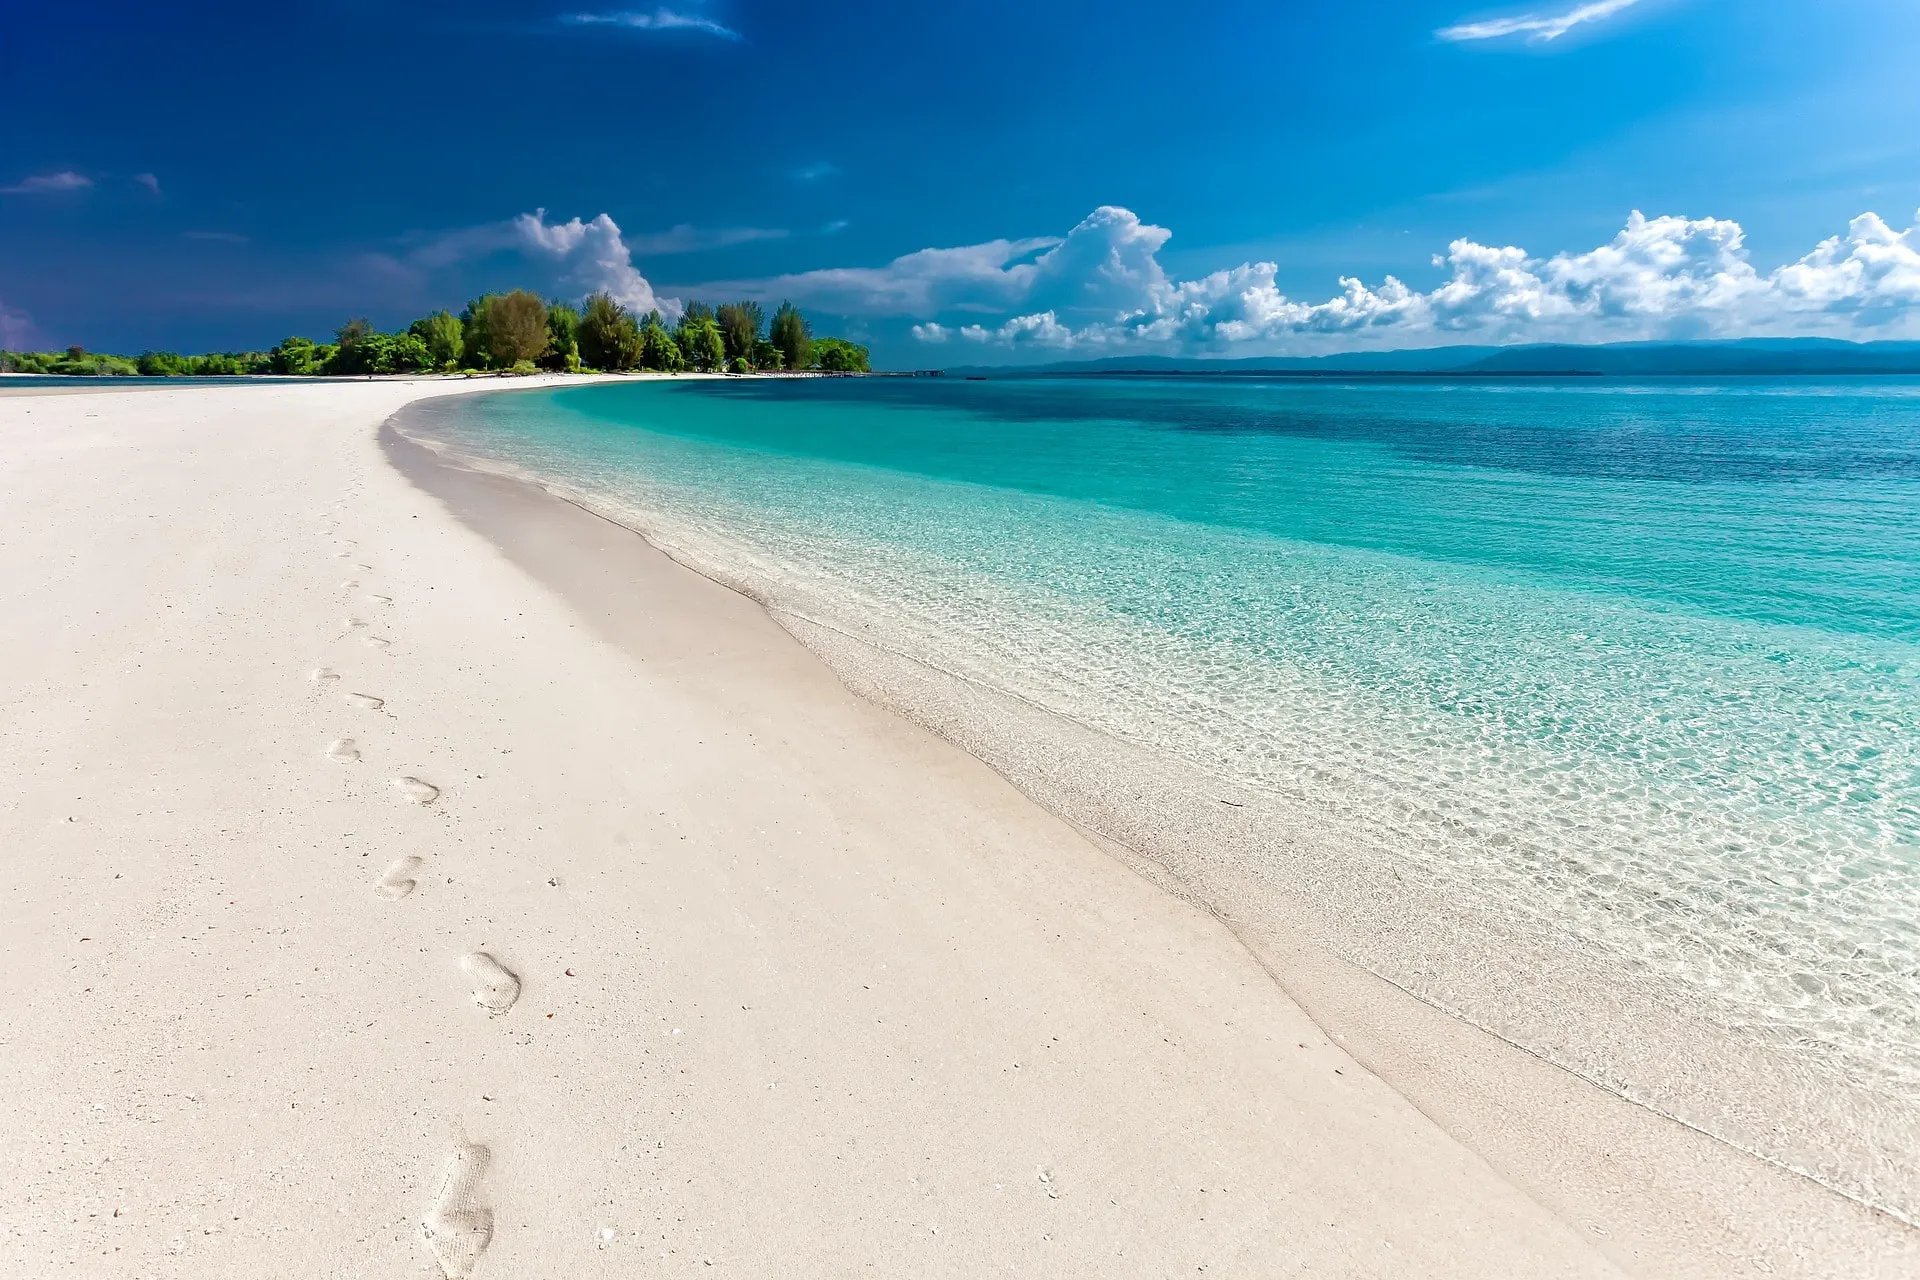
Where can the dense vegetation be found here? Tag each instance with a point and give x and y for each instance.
(517, 332)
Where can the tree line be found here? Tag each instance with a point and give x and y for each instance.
(517, 332)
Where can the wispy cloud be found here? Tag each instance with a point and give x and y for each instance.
(468, 243)
(16, 327)
(47, 184)
(1536, 27)
(814, 172)
(150, 181)
(661, 19)
(690, 239)
(985, 277)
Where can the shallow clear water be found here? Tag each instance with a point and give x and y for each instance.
(1633, 664)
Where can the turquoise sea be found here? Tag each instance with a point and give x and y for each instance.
(1616, 682)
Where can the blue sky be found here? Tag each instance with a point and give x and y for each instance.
(1090, 178)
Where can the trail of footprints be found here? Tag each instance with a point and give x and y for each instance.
(458, 1226)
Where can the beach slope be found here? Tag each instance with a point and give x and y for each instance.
(372, 911)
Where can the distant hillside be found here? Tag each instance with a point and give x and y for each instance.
(1751, 355)
(1743, 355)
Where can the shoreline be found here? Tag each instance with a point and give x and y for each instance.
(797, 985)
(1684, 1205)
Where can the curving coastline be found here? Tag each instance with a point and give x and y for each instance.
(1171, 823)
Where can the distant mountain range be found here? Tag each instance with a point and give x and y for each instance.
(1741, 355)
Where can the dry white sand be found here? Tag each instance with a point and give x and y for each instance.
(373, 911)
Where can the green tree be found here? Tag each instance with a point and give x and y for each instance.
(443, 335)
(837, 355)
(658, 350)
(162, 364)
(563, 338)
(767, 356)
(353, 332)
(740, 326)
(516, 328)
(791, 336)
(410, 353)
(296, 356)
(478, 350)
(701, 345)
(370, 352)
(609, 338)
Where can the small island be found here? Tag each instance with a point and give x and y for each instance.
(511, 333)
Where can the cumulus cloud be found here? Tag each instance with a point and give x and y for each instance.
(594, 257)
(46, 184)
(1040, 330)
(1667, 277)
(588, 256)
(1536, 27)
(1106, 264)
(659, 20)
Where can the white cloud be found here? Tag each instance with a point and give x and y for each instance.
(594, 255)
(661, 19)
(48, 184)
(1536, 27)
(588, 255)
(1106, 263)
(1667, 277)
(149, 181)
(1040, 330)
(979, 277)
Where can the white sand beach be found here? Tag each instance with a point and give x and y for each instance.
(432, 879)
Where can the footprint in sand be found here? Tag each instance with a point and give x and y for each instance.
(342, 751)
(380, 599)
(458, 1228)
(320, 675)
(375, 642)
(364, 700)
(494, 989)
(417, 791)
(399, 881)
